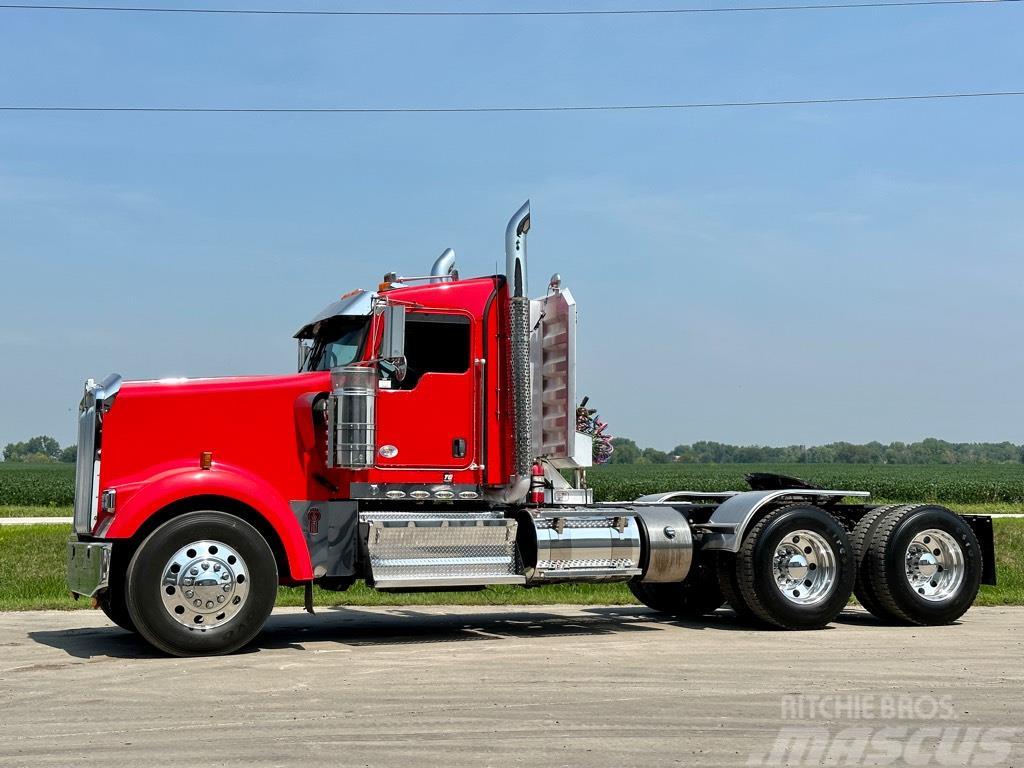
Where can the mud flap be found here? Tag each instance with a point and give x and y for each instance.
(309, 599)
(982, 527)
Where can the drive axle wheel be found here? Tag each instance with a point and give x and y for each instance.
(696, 596)
(860, 539)
(924, 565)
(203, 583)
(795, 568)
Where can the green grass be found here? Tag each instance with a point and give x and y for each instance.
(1009, 539)
(32, 577)
(991, 508)
(17, 511)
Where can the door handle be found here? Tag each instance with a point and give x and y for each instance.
(459, 447)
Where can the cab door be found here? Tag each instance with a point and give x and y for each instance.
(427, 421)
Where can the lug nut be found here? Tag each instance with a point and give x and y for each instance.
(220, 598)
(209, 603)
(193, 570)
(189, 593)
(197, 603)
(216, 567)
(227, 587)
(206, 566)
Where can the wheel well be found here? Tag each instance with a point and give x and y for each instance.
(124, 549)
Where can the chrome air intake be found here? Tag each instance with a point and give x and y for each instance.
(519, 336)
(351, 409)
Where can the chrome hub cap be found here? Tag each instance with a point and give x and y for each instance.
(804, 567)
(204, 585)
(935, 565)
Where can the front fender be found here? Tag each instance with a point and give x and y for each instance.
(179, 484)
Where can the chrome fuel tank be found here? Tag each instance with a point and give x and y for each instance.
(578, 543)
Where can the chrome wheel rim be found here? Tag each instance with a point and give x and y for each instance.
(935, 565)
(205, 584)
(804, 567)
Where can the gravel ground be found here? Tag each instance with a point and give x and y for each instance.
(542, 686)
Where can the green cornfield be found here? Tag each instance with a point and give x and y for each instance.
(37, 485)
(54, 484)
(946, 483)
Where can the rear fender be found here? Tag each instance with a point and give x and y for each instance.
(177, 485)
(728, 524)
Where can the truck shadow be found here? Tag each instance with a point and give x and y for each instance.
(353, 627)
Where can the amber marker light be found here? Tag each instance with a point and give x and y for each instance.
(206, 459)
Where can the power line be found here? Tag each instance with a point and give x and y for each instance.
(564, 108)
(595, 12)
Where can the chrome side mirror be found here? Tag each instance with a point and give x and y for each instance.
(392, 344)
(305, 347)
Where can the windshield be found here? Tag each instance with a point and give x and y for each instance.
(338, 341)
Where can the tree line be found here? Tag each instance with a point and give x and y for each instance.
(42, 449)
(928, 451)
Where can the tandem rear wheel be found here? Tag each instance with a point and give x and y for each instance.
(201, 584)
(794, 569)
(917, 564)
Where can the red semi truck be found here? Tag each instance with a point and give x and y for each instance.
(430, 440)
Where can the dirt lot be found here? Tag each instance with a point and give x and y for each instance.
(543, 686)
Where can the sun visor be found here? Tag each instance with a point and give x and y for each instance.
(357, 303)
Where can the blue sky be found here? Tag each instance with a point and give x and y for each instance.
(776, 275)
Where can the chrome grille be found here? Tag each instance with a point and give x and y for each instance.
(96, 401)
(86, 468)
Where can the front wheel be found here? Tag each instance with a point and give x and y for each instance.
(795, 568)
(115, 607)
(202, 584)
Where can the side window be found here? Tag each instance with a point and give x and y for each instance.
(435, 344)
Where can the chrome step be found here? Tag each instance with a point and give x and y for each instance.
(409, 550)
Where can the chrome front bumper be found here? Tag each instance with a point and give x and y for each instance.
(88, 566)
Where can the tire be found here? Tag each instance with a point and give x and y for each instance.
(730, 588)
(860, 538)
(816, 581)
(697, 595)
(114, 605)
(201, 584)
(924, 565)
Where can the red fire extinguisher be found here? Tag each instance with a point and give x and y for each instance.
(537, 483)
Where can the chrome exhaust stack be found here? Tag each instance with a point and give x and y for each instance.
(444, 267)
(519, 336)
